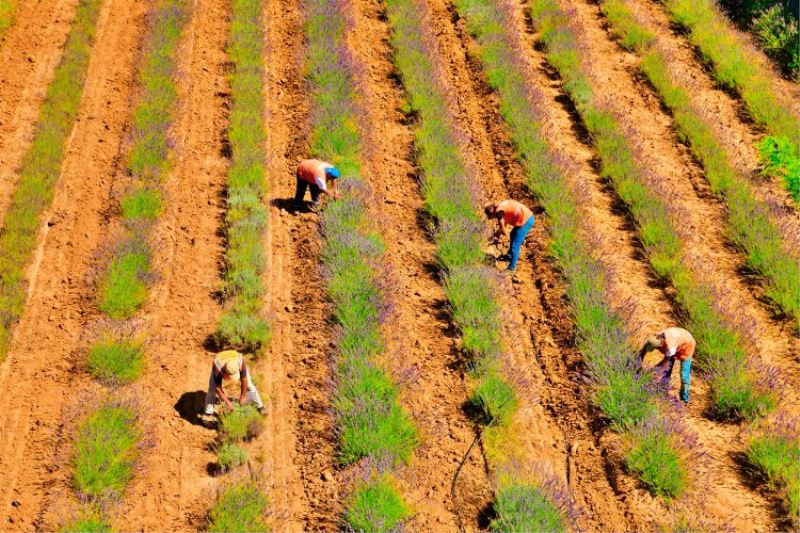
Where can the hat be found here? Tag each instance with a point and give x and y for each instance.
(333, 173)
(231, 369)
(653, 342)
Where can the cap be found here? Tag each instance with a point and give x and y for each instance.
(333, 173)
(231, 369)
(653, 342)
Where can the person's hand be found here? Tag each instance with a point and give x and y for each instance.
(243, 399)
(335, 195)
(228, 404)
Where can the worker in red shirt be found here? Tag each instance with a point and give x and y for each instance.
(515, 221)
(673, 343)
(318, 176)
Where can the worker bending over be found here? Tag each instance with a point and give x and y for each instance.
(515, 221)
(673, 343)
(318, 176)
(228, 368)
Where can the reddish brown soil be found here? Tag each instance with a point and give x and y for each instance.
(44, 366)
(183, 310)
(300, 437)
(29, 53)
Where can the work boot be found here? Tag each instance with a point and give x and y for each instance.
(209, 410)
(504, 257)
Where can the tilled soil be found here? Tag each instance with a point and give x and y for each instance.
(29, 53)
(45, 366)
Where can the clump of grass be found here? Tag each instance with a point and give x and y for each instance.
(7, 8)
(41, 165)
(105, 451)
(242, 324)
(124, 285)
(89, 520)
(654, 460)
(231, 455)
(142, 203)
(774, 451)
(733, 66)
(494, 398)
(778, 160)
(240, 423)
(240, 508)
(624, 394)
(117, 355)
(747, 219)
(376, 506)
(521, 508)
(720, 351)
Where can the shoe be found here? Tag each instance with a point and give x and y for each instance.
(262, 410)
(209, 410)
(504, 257)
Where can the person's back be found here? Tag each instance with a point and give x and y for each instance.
(514, 213)
(679, 342)
(313, 171)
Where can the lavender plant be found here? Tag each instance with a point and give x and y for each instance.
(41, 164)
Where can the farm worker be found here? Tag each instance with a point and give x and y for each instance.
(513, 217)
(673, 343)
(318, 176)
(229, 366)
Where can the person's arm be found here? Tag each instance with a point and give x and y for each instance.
(663, 361)
(244, 383)
(218, 388)
(642, 353)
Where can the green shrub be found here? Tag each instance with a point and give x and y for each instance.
(105, 451)
(778, 159)
(240, 423)
(42, 163)
(7, 8)
(230, 455)
(89, 520)
(376, 507)
(625, 400)
(142, 202)
(777, 457)
(653, 459)
(524, 508)
(240, 508)
(123, 289)
(116, 359)
(243, 331)
(494, 398)
(777, 33)
(475, 310)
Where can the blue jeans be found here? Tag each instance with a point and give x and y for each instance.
(686, 367)
(518, 235)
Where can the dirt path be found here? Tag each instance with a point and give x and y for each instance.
(183, 310)
(435, 393)
(30, 51)
(725, 113)
(45, 363)
(300, 437)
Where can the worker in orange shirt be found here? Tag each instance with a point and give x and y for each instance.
(515, 221)
(319, 176)
(674, 344)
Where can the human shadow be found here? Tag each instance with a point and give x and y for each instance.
(292, 207)
(190, 407)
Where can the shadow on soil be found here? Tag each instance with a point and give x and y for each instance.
(289, 205)
(190, 407)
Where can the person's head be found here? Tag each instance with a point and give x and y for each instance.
(492, 212)
(231, 370)
(654, 342)
(332, 173)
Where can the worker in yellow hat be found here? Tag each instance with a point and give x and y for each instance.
(229, 367)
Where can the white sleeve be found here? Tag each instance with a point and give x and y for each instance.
(671, 351)
(321, 183)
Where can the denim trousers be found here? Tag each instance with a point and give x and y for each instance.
(686, 367)
(518, 235)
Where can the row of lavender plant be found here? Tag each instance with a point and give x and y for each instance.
(7, 18)
(626, 396)
(242, 324)
(523, 502)
(371, 423)
(736, 388)
(41, 168)
(241, 504)
(734, 67)
(748, 221)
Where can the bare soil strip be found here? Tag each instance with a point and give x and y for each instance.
(638, 296)
(30, 51)
(183, 310)
(435, 392)
(44, 368)
(299, 438)
(700, 214)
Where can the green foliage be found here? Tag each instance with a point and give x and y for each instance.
(231, 455)
(89, 520)
(494, 398)
(240, 508)
(115, 359)
(475, 309)
(524, 508)
(778, 459)
(105, 451)
(625, 399)
(42, 163)
(142, 203)
(242, 325)
(123, 289)
(653, 459)
(776, 31)
(240, 423)
(779, 159)
(7, 8)
(376, 507)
